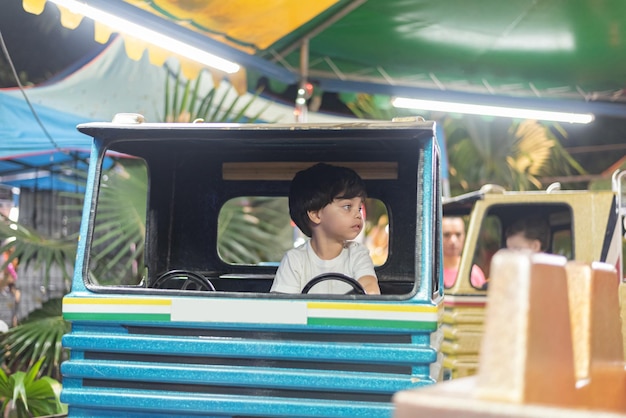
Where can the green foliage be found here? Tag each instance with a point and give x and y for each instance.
(367, 106)
(248, 228)
(120, 226)
(253, 230)
(119, 236)
(37, 340)
(184, 103)
(514, 155)
(34, 249)
(24, 395)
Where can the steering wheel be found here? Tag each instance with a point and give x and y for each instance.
(357, 289)
(193, 279)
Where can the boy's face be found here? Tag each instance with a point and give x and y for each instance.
(520, 242)
(341, 219)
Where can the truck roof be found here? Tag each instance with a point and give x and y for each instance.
(462, 204)
(125, 127)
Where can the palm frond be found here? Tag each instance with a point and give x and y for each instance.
(26, 396)
(38, 336)
(33, 249)
(120, 225)
(186, 104)
(514, 155)
(252, 230)
(367, 106)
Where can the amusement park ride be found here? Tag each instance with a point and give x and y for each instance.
(582, 225)
(173, 326)
(552, 346)
(546, 338)
(189, 330)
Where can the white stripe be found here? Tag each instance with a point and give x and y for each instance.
(239, 311)
(373, 314)
(461, 299)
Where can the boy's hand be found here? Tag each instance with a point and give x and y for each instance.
(370, 284)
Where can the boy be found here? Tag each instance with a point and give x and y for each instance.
(529, 233)
(325, 202)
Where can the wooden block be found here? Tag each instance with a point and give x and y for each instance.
(595, 315)
(596, 328)
(526, 366)
(605, 389)
(526, 355)
(455, 399)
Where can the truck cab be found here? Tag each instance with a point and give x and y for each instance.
(172, 312)
(584, 225)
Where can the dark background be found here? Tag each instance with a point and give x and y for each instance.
(42, 50)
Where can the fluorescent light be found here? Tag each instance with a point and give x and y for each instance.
(534, 40)
(507, 112)
(25, 175)
(148, 35)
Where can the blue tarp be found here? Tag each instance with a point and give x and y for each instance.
(31, 158)
(95, 90)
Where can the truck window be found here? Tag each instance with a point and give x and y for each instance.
(257, 230)
(489, 242)
(116, 256)
(252, 230)
(562, 243)
(492, 236)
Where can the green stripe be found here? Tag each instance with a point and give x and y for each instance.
(102, 316)
(377, 323)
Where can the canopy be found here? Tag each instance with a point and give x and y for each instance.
(34, 155)
(39, 145)
(550, 54)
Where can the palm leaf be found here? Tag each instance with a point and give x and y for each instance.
(214, 117)
(26, 343)
(514, 155)
(367, 106)
(206, 104)
(241, 115)
(194, 98)
(33, 249)
(119, 231)
(25, 396)
(166, 101)
(186, 105)
(118, 243)
(252, 230)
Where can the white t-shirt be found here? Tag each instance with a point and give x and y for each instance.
(299, 265)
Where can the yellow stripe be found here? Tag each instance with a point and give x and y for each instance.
(116, 301)
(371, 307)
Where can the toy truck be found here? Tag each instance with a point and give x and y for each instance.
(181, 322)
(584, 225)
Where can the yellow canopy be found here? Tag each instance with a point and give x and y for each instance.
(248, 25)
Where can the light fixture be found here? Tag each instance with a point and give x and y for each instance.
(508, 112)
(148, 35)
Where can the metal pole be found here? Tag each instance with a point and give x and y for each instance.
(304, 92)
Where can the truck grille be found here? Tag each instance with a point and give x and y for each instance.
(193, 371)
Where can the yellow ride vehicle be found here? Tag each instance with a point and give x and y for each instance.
(581, 225)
